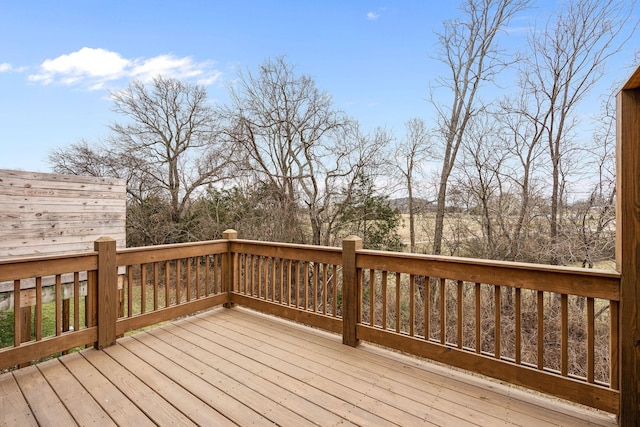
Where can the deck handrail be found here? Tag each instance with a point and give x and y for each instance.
(413, 303)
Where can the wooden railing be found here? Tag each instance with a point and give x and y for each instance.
(551, 329)
(554, 330)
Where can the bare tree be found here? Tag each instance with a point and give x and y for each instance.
(172, 134)
(410, 154)
(167, 150)
(522, 138)
(567, 59)
(590, 232)
(295, 142)
(469, 50)
(481, 181)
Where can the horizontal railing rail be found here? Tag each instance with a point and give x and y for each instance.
(551, 329)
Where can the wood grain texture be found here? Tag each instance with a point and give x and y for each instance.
(48, 213)
(628, 247)
(238, 367)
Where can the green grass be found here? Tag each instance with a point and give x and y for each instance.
(48, 322)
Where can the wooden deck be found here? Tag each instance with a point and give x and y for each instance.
(236, 367)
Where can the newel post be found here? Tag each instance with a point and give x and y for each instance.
(350, 291)
(628, 246)
(228, 265)
(107, 301)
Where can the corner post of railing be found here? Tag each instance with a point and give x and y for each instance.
(628, 247)
(350, 300)
(107, 298)
(229, 264)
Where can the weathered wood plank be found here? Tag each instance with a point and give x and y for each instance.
(42, 399)
(121, 410)
(13, 407)
(38, 212)
(344, 393)
(82, 407)
(152, 375)
(294, 402)
(229, 380)
(261, 376)
(199, 379)
(386, 398)
(148, 400)
(453, 385)
(9, 176)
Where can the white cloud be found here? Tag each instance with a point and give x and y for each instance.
(93, 68)
(166, 65)
(5, 67)
(372, 16)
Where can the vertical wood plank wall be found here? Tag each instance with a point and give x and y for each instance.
(628, 246)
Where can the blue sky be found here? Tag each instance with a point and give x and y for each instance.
(59, 59)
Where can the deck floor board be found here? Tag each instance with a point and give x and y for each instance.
(237, 367)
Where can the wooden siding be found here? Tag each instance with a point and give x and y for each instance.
(236, 367)
(42, 214)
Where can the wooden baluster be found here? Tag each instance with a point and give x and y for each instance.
(460, 313)
(325, 268)
(38, 310)
(167, 283)
(385, 275)
(564, 334)
(207, 275)
(591, 339)
(143, 288)
(614, 345)
(155, 286)
(518, 326)
(178, 281)
(197, 260)
(316, 283)
(398, 297)
(478, 294)
(187, 266)
(335, 290)
(372, 297)
(443, 311)
(259, 265)
(427, 311)
(305, 285)
(58, 305)
(17, 318)
(412, 304)
(497, 321)
(540, 308)
(273, 279)
(282, 279)
(129, 290)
